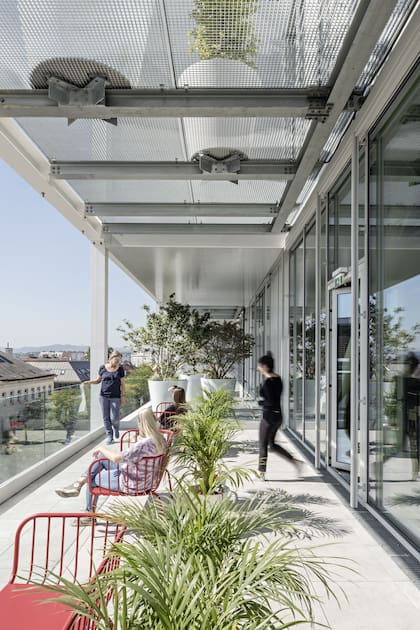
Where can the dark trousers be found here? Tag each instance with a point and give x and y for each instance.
(269, 425)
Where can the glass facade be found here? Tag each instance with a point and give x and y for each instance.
(388, 326)
(394, 316)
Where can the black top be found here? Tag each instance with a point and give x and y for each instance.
(270, 392)
(111, 382)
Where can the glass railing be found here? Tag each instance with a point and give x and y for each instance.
(37, 424)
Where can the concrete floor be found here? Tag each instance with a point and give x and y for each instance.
(381, 595)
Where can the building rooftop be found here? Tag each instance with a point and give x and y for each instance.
(13, 369)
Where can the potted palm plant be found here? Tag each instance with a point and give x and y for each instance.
(227, 346)
(198, 565)
(204, 440)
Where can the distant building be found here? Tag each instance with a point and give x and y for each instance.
(139, 358)
(66, 372)
(20, 385)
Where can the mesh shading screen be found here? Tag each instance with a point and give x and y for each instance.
(128, 36)
(335, 136)
(263, 44)
(245, 191)
(134, 139)
(258, 138)
(289, 43)
(133, 191)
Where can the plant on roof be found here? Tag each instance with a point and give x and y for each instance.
(224, 29)
(173, 335)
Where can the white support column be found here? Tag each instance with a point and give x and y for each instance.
(317, 331)
(99, 326)
(354, 403)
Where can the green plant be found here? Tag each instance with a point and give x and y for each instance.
(224, 29)
(136, 389)
(63, 408)
(205, 438)
(227, 345)
(172, 334)
(192, 564)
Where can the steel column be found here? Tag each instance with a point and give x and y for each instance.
(99, 325)
(354, 341)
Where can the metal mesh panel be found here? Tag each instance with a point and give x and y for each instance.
(127, 36)
(258, 138)
(269, 44)
(309, 185)
(386, 41)
(132, 191)
(133, 139)
(244, 192)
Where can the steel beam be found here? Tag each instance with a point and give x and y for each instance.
(180, 209)
(201, 240)
(368, 23)
(215, 102)
(276, 170)
(184, 228)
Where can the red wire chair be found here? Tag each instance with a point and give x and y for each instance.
(56, 543)
(164, 417)
(140, 479)
(129, 437)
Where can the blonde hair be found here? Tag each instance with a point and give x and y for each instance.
(148, 428)
(115, 354)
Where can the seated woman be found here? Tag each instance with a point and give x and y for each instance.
(177, 408)
(125, 472)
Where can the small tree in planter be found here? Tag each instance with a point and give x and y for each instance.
(224, 30)
(228, 345)
(173, 335)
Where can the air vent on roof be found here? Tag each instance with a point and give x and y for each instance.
(77, 71)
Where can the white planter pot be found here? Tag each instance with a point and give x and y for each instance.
(214, 384)
(194, 386)
(217, 132)
(159, 390)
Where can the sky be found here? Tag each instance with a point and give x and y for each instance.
(45, 274)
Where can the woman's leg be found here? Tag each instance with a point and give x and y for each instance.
(115, 404)
(263, 445)
(106, 411)
(104, 475)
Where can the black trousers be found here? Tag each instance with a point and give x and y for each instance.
(269, 425)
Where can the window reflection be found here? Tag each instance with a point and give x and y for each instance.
(394, 317)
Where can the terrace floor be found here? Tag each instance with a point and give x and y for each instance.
(383, 592)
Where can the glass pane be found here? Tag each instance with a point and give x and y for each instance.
(340, 226)
(310, 318)
(296, 339)
(394, 409)
(343, 372)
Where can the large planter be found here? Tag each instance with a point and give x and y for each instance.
(194, 386)
(159, 390)
(216, 132)
(214, 384)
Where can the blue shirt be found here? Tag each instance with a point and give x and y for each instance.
(111, 382)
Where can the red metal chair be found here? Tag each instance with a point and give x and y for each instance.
(139, 479)
(56, 543)
(129, 437)
(163, 416)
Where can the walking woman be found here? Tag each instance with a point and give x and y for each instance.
(112, 396)
(271, 421)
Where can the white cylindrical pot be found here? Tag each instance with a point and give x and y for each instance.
(194, 386)
(159, 390)
(216, 132)
(214, 384)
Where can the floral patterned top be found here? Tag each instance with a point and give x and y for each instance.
(137, 477)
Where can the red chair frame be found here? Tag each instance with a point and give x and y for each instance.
(146, 480)
(129, 437)
(163, 416)
(57, 546)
